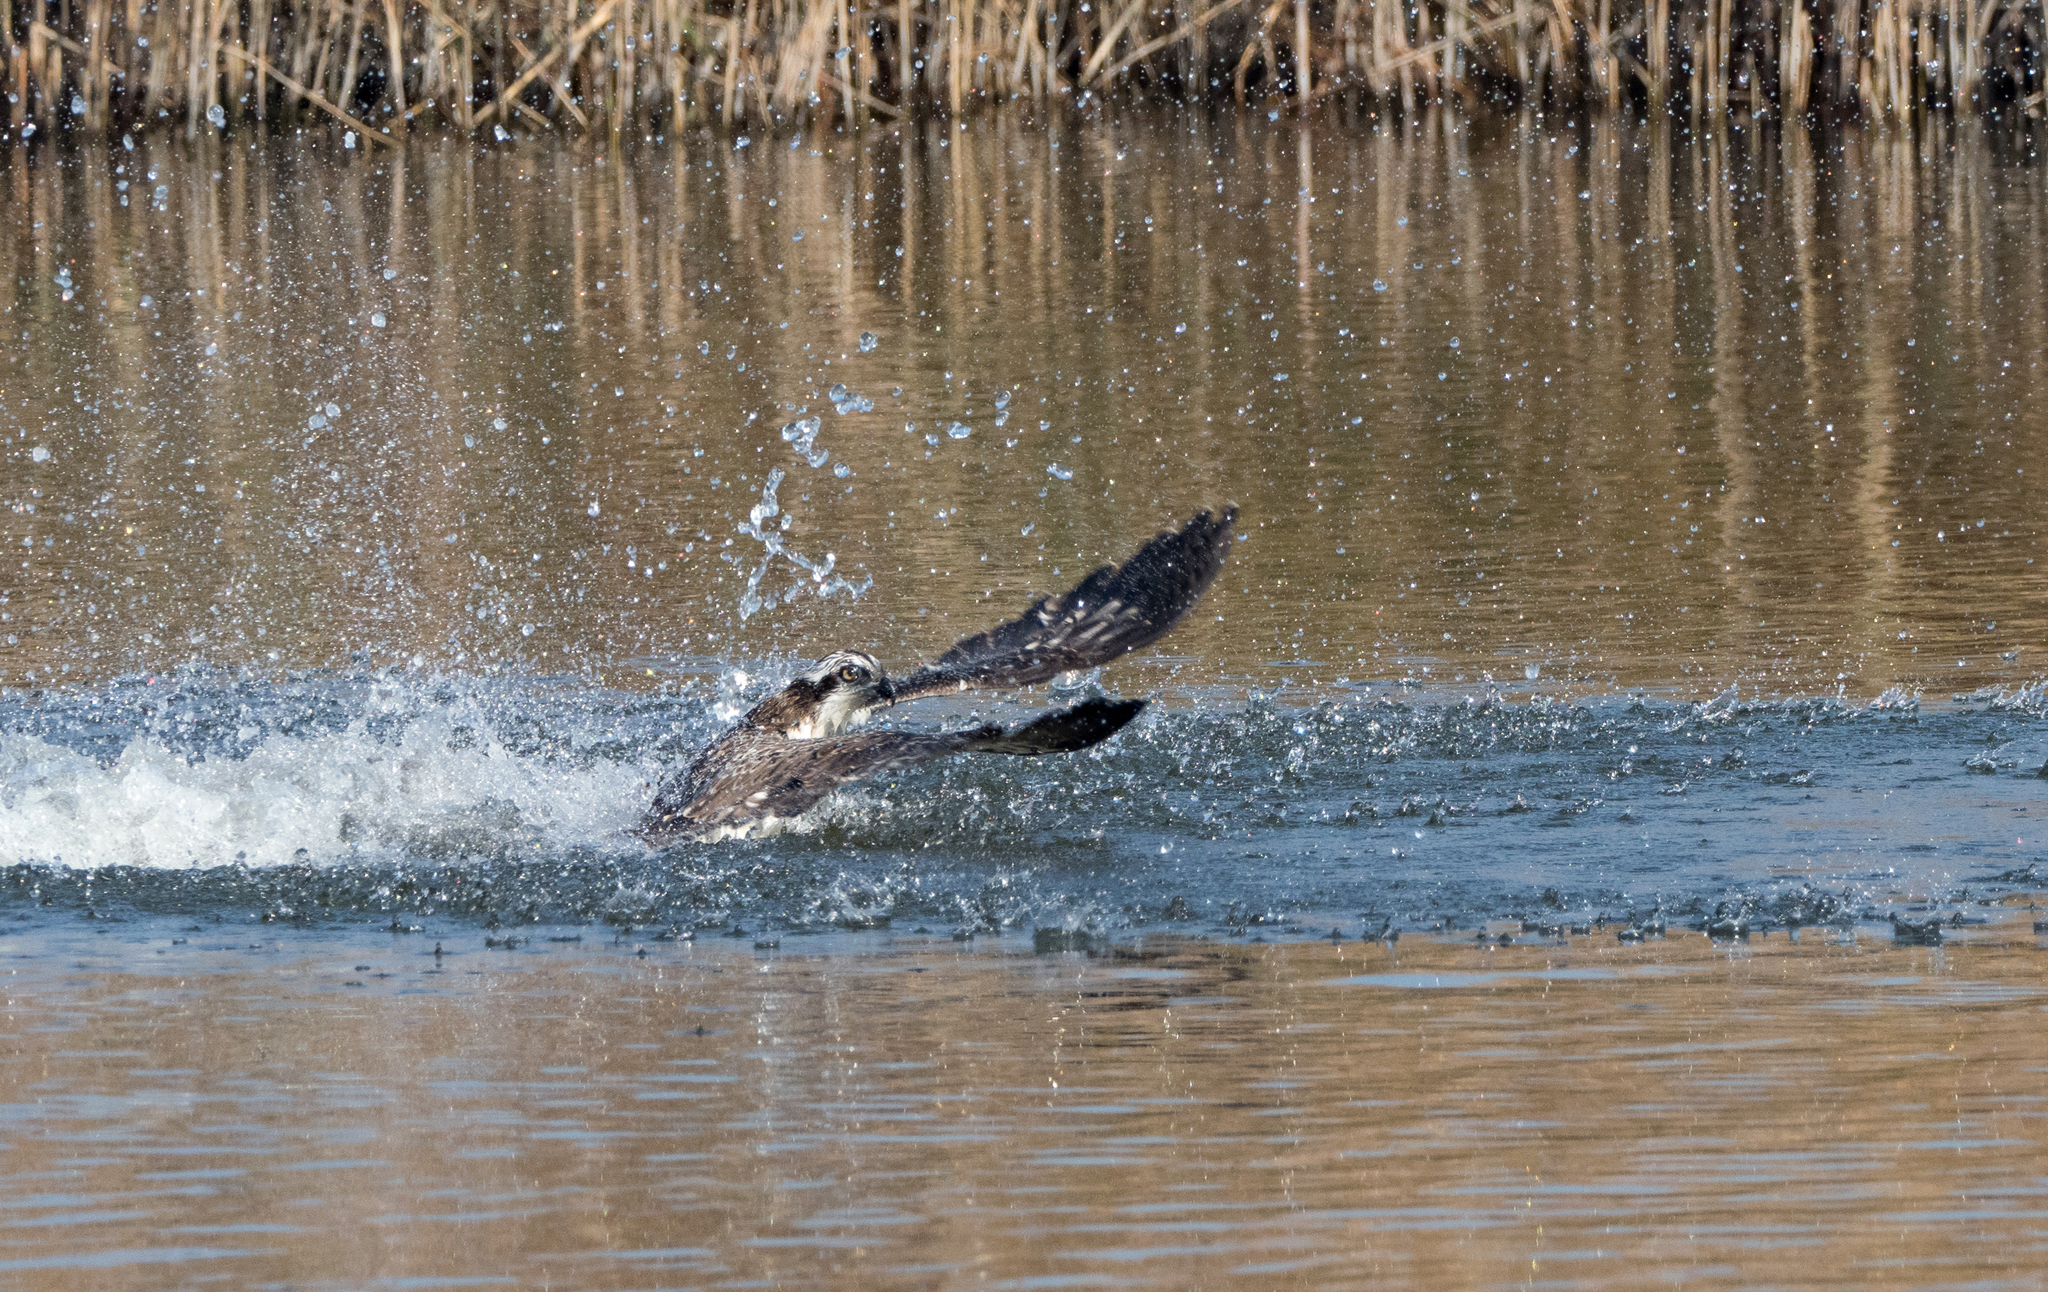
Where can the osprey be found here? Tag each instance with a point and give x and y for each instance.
(791, 749)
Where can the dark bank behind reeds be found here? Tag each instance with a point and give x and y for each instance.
(649, 65)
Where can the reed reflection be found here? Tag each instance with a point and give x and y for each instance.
(1625, 406)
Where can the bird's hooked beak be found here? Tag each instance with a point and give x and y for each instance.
(886, 691)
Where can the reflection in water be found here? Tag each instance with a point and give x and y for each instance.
(1569, 1113)
(1584, 410)
(1610, 407)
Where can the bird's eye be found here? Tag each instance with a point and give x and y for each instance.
(850, 673)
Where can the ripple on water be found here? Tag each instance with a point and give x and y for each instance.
(1373, 811)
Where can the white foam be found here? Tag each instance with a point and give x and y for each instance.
(442, 788)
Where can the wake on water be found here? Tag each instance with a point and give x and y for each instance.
(395, 794)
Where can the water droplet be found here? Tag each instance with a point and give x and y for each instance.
(497, 423)
(868, 341)
(501, 135)
(348, 141)
(377, 319)
(593, 509)
(740, 143)
(216, 116)
(1058, 472)
(800, 433)
(39, 454)
(959, 431)
(1379, 284)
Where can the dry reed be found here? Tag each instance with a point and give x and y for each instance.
(652, 65)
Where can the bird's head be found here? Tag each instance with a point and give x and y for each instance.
(840, 687)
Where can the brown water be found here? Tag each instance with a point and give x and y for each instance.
(1638, 535)
(1624, 407)
(1839, 1112)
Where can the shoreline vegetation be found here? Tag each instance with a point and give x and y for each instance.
(627, 66)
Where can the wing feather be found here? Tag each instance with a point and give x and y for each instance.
(1113, 611)
(752, 774)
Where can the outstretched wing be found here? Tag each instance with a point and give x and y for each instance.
(1113, 611)
(753, 775)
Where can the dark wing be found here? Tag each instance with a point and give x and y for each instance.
(1113, 611)
(1088, 723)
(753, 774)
(750, 774)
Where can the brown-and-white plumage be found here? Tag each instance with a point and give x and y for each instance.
(792, 749)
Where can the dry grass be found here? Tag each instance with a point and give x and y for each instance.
(632, 65)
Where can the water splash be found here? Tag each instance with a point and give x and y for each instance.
(330, 797)
(822, 579)
(225, 773)
(845, 401)
(802, 436)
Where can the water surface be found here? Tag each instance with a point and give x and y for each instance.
(218, 1105)
(1637, 608)
(1622, 510)
(1623, 408)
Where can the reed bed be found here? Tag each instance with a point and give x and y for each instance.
(617, 66)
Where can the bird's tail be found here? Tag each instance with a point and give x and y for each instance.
(1088, 723)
